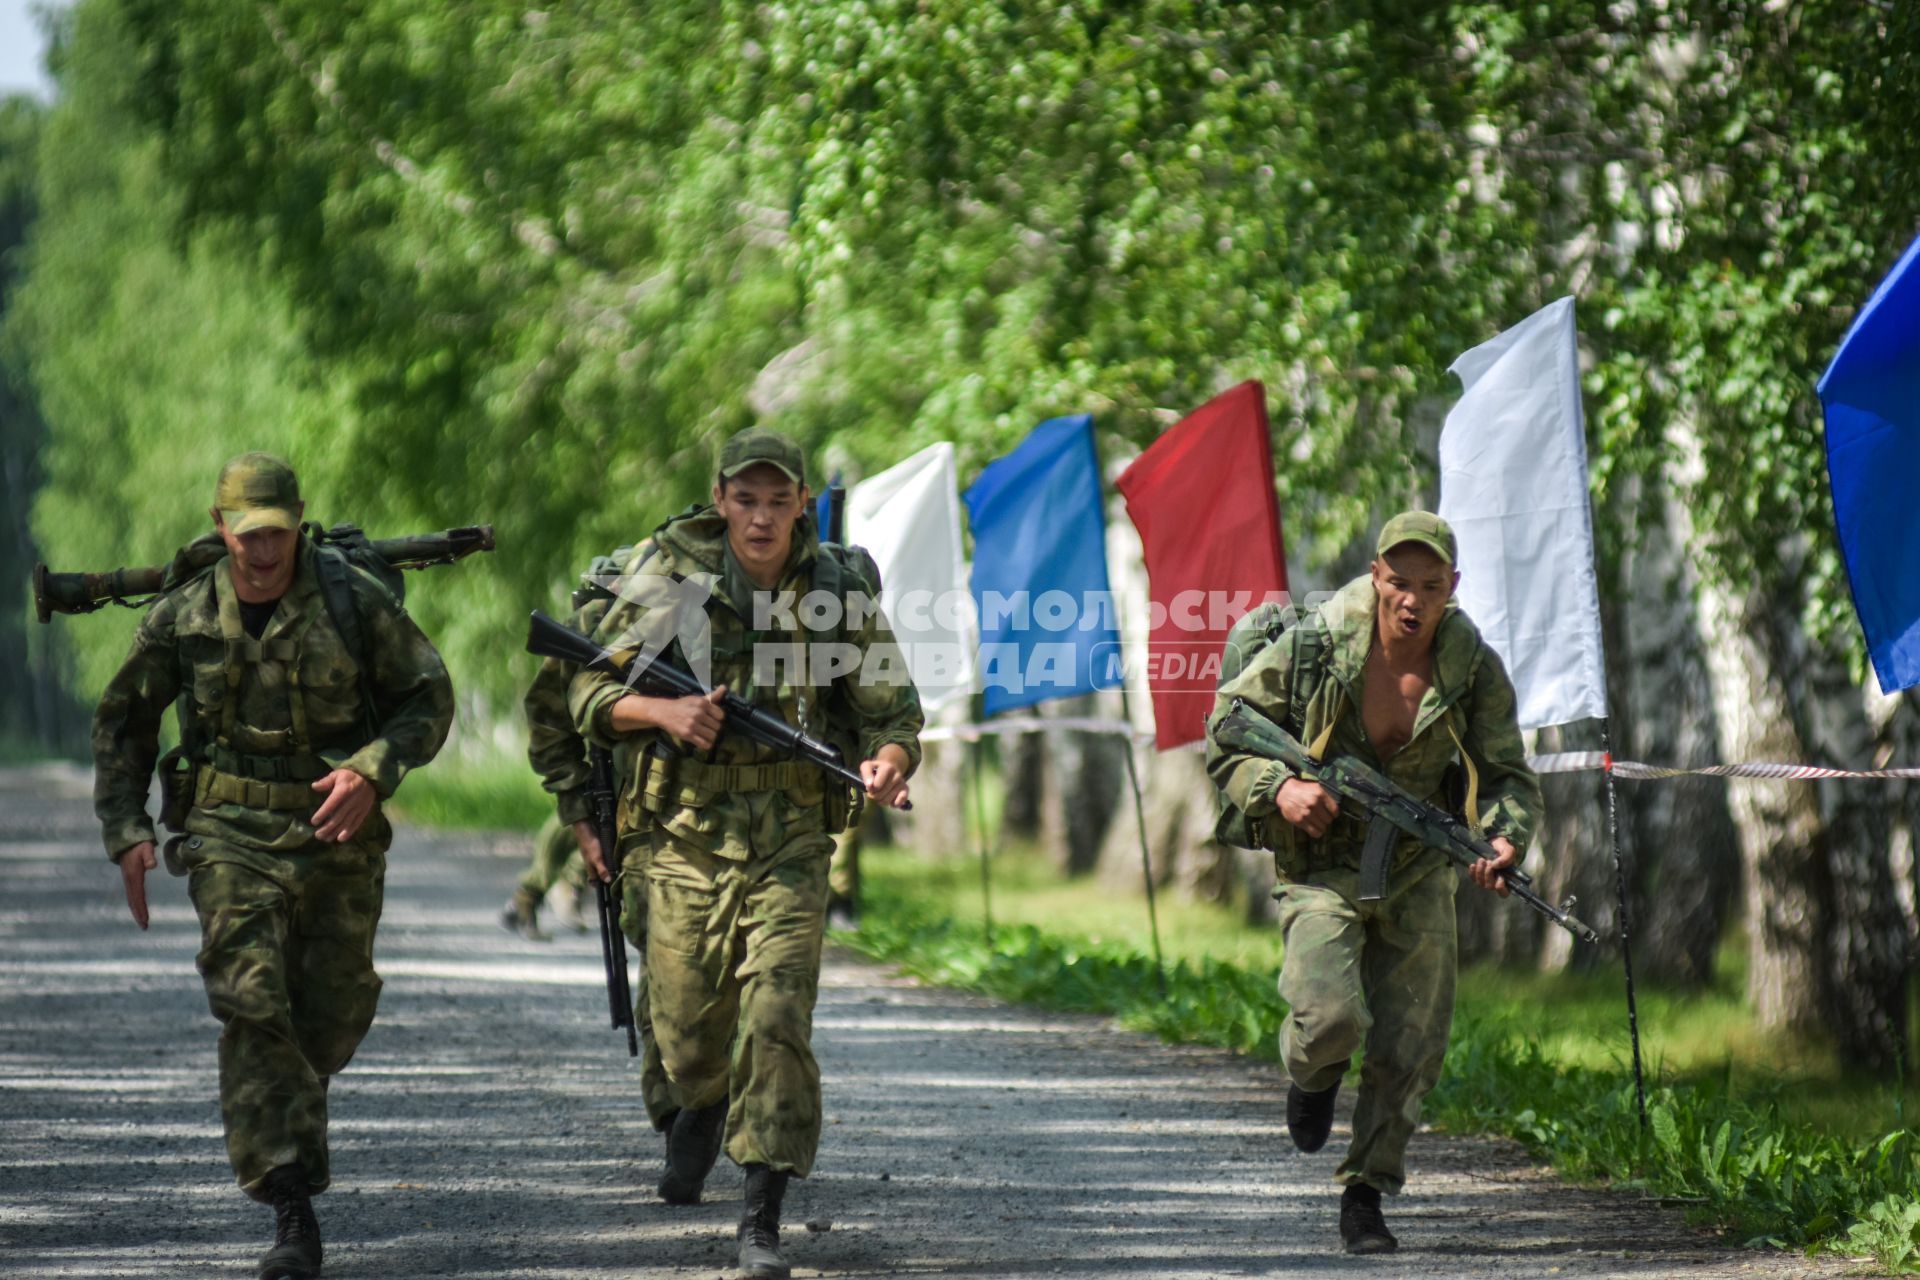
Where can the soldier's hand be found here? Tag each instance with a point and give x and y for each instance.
(1307, 805)
(589, 841)
(134, 865)
(349, 800)
(885, 778)
(1486, 871)
(696, 719)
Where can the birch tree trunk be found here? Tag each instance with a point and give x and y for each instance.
(1086, 786)
(1828, 941)
(1023, 779)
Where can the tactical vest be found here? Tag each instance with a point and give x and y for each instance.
(668, 777)
(209, 767)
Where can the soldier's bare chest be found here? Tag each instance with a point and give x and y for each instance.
(1390, 701)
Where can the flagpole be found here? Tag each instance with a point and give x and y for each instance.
(980, 836)
(1626, 933)
(1146, 860)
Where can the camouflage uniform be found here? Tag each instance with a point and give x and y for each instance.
(287, 921)
(556, 857)
(1378, 975)
(843, 868)
(559, 755)
(738, 843)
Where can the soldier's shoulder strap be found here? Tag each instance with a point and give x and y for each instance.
(337, 553)
(620, 561)
(841, 569)
(1263, 627)
(1312, 648)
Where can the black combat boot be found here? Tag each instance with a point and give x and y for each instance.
(1310, 1116)
(760, 1255)
(693, 1144)
(1362, 1229)
(296, 1235)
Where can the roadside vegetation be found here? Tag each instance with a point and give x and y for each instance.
(487, 792)
(1772, 1142)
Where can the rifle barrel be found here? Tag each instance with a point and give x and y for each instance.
(77, 593)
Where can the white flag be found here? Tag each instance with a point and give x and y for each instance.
(908, 518)
(1513, 484)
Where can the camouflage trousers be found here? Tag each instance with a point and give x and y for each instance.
(843, 871)
(656, 1092)
(556, 857)
(286, 955)
(1376, 977)
(733, 968)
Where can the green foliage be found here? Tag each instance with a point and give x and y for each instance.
(485, 262)
(491, 793)
(1724, 1150)
(151, 364)
(21, 430)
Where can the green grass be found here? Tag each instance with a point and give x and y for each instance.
(1579, 1019)
(25, 751)
(497, 793)
(1767, 1140)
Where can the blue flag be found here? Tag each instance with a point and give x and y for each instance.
(823, 508)
(1871, 392)
(1040, 570)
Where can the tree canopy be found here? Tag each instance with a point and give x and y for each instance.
(483, 262)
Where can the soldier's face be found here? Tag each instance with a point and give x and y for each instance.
(263, 559)
(761, 506)
(1414, 586)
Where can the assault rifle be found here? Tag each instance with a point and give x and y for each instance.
(661, 678)
(1393, 811)
(613, 943)
(134, 588)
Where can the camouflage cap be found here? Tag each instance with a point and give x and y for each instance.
(1423, 527)
(756, 445)
(257, 491)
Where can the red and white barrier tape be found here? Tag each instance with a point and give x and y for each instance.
(1586, 761)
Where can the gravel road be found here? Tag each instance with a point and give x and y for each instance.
(489, 1127)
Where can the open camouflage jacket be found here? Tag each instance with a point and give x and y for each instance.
(1470, 697)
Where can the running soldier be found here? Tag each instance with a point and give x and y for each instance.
(738, 838)
(305, 695)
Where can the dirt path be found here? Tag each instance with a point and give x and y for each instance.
(488, 1127)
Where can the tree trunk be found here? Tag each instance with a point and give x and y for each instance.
(1678, 837)
(938, 823)
(1781, 837)
(1866, 936)
(1178, 802)
(1678, 849)
(1023, 785)
(1086, 786)
(1828, 940)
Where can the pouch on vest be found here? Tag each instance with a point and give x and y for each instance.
(845, 569)
(176, 788)
(1256, 632)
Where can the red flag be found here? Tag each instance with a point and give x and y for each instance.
(1202, 497)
